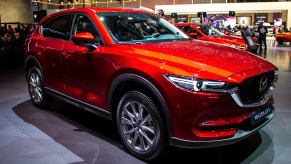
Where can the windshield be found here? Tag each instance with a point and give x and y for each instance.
(210, 31)
(140, 28)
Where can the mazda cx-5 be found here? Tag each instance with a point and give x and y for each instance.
(159, 86)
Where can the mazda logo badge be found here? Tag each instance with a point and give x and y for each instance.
(263, 83)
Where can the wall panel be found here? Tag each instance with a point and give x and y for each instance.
(16, 11)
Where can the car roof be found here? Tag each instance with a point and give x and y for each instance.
(95, 9)
(190, 24)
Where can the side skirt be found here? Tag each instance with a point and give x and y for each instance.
(80, 104)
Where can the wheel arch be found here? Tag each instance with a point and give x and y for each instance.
(30, 62)
(127, 82)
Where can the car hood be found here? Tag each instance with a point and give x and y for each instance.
(230, 40)
(201, 59)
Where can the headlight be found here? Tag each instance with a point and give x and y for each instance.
(194, 84)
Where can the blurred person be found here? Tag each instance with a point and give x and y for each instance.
(9, 43)
(2, 32)
(243, 27)
(210, 22)
(10, 29)
(281, 28)
(239, 27)
(262, 30)
(2, 43)
(228, 27)
(161, 12)
(274, 30)
(7, 47)
(217, 27)
(247, 28)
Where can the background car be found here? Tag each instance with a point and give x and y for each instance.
(159, 86)
(283, 37)
(209, 33)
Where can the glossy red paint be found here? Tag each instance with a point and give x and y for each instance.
(283, 37)
(238, 34)
(215, 134)
(225, 39)
(89, 75)
(83, 37)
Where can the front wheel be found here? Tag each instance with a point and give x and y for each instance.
(140, 126)
(36, 89)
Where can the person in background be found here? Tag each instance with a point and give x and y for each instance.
(210, 22)
(281, 28)
(2, 43)
(10, 29)
(161, 12)
(274, 30)
(262, 30)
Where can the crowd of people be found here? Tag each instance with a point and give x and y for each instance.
(258, 31)
(12, 44)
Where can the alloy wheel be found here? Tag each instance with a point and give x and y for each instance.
(138, 127)
(35, 88)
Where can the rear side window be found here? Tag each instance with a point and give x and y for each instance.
(57, 27)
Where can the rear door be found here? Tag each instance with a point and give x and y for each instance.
(55, 32)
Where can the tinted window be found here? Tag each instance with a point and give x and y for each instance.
(210, 31)
(57, 27)
(84, 24)
(190, 31)
(140, 27)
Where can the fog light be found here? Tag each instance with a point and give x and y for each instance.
(214, 133)
(224, 121)
(219, 128)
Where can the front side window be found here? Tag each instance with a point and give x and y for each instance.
(140, 27)
(210, 31)
(57, 27)
(84, 24)
(190, 30)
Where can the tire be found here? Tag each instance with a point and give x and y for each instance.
(36, 89)
(280, 41)
(140, 126)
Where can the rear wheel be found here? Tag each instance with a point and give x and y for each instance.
(140, 126)
(36, 89)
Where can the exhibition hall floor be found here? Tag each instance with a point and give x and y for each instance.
(66, 134)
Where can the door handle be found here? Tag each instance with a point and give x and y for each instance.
(67, 55)
(39, 47)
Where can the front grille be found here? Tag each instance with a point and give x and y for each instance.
(250, 92)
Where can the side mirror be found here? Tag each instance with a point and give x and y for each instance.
(83, 38)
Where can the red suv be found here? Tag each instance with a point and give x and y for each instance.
(159, 86)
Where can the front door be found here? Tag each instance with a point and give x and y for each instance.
(77, 62)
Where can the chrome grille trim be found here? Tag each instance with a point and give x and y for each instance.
(265, 98)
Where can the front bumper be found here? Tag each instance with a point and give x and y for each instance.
(239, 135)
